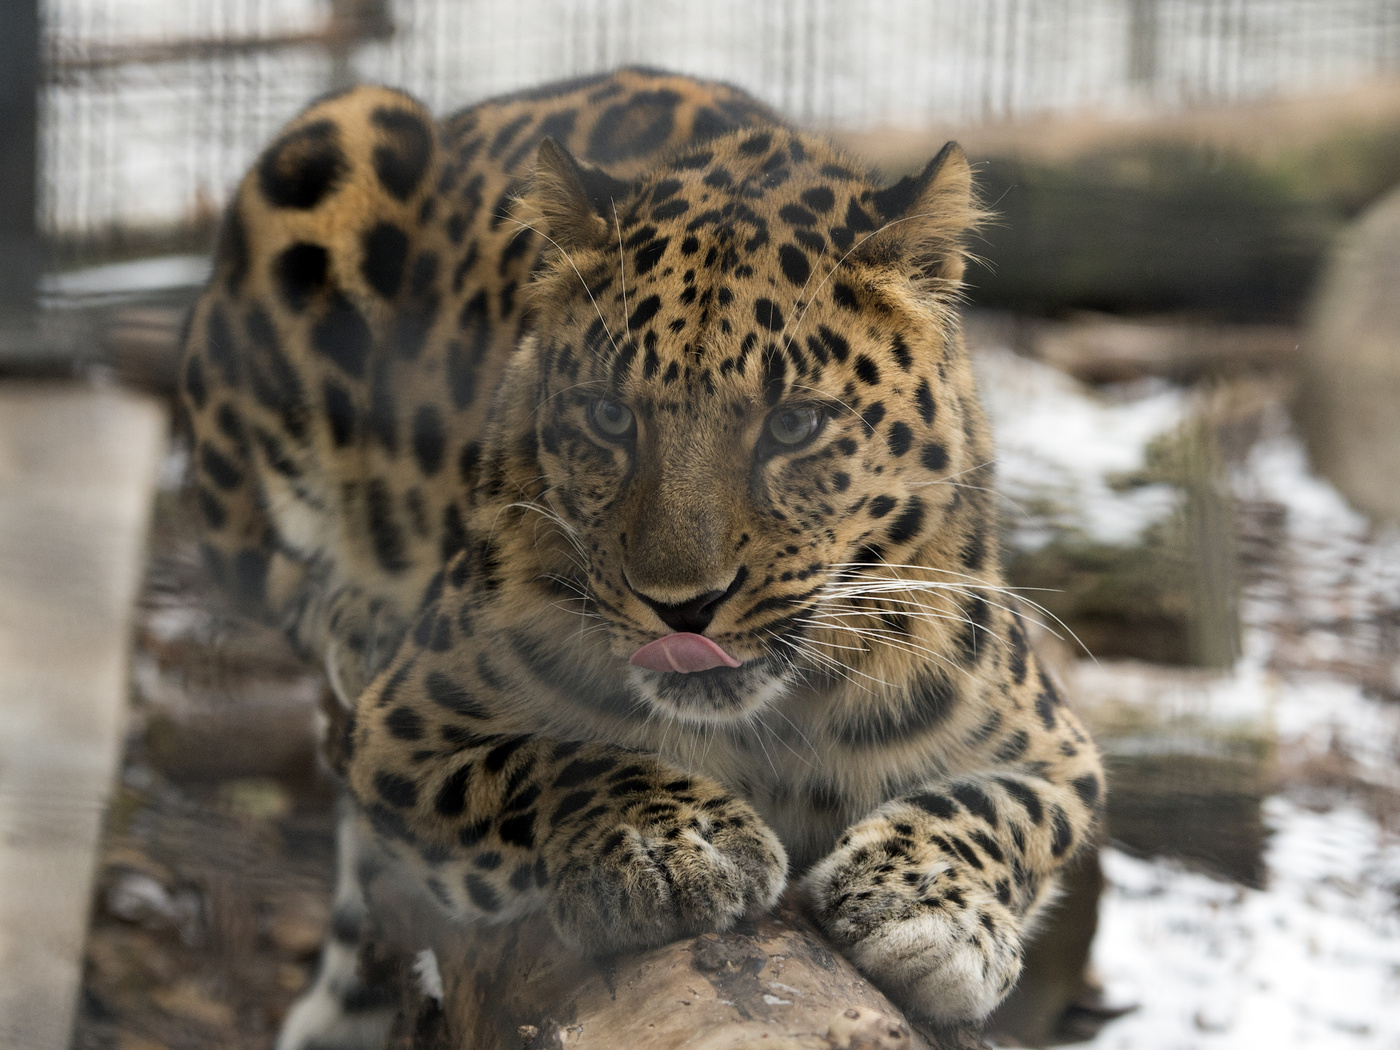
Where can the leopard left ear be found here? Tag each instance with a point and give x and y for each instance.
(926, 217)
(574, 202)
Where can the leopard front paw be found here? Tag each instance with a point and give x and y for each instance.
(942, 947)
(641, 883)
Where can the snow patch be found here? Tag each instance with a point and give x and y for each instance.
(1058, 443)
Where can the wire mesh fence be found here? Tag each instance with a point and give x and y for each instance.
(152, 108)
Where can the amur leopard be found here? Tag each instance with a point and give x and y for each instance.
(614, 447)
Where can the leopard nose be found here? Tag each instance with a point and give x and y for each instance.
(694, 615)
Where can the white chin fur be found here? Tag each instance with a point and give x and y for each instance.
(698, 700)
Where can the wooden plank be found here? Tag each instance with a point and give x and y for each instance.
(78, 469)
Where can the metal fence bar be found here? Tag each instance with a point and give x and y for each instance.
(19, 156)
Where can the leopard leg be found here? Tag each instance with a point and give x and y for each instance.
(297, 358)
(341, 1011)
(623, 850)
(934, 894)
(239, 546)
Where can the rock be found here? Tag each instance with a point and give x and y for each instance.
(1348, 403)
(1120, 525)
(299, 925)
(189, 1001)
(137, 897)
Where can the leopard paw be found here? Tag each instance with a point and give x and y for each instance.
(642, 884)
(944, 948)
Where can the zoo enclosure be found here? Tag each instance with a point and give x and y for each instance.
(151, 109)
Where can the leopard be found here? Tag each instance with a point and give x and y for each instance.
(614, 448)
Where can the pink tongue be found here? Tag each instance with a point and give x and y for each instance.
(683, 653)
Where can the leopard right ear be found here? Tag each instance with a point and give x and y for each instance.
(573, 203)
(927, 218)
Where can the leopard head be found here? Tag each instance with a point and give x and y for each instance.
(751, 391)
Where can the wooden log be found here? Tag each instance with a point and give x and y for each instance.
(1148, 230)
(1183, 782)
(768, 984)
(143, 345)
(1098, 349)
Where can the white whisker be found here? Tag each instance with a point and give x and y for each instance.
(568, 259)
(897, 583)
(900, 642)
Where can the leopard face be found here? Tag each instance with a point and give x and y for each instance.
(749, 393)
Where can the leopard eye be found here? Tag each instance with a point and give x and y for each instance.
(793, 425)
(610, 418)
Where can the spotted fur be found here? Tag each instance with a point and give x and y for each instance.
(395, 381)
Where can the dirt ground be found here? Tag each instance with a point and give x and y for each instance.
(215, 873)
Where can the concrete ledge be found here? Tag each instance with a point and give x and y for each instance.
(78, 469)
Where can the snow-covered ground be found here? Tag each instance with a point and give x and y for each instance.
(1058, 446)
(1313, 958)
